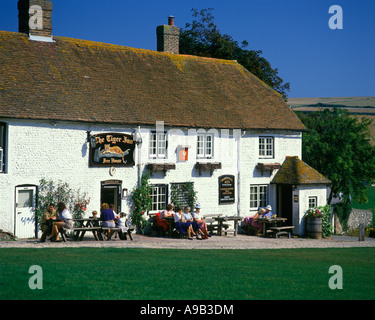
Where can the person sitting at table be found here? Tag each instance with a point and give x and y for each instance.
(199, 219)
(182, 225)
(268, 213)
(48, 216)
(112, 206)
(94, 217)
(189, 218)
(66, 221)
(255, 223)
(108, 218)
(121, 223)
(160, 221)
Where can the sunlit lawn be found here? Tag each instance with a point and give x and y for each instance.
(137, 274)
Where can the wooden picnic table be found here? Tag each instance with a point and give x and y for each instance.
(87, 224)
(221, 220)
(271, 222)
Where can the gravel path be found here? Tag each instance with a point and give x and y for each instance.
(215, 242)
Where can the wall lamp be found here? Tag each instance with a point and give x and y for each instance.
(91, 139)
(138, 138)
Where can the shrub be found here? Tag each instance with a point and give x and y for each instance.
(52, 192)
(343, 210)
(142, 202)
(326, 218)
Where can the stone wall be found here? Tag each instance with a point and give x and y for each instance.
(359, 216)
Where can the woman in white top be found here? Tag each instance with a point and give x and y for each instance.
(182, 225)
(66, 221)
(199, 219)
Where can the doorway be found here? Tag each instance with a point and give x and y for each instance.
(110, 193)
(25, 203)
(285, 202)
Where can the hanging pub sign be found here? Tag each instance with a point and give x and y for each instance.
(111, 150)
(226, 189)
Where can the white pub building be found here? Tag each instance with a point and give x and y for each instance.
(97, 115)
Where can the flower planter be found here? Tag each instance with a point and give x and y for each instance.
(314, 228)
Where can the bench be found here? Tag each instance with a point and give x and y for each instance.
(277, 231)
(212, 224)
(121, 235)
(97, 231)
(226, 231)
(215, 227)
(83, 230)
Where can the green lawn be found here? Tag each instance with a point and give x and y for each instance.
(371, 200)
(137, 274)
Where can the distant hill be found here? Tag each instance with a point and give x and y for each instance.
(355, 102)
(357, 106)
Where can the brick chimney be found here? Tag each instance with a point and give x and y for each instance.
(35, 19)
(168, 37)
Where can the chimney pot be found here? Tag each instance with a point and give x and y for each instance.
(171, 20)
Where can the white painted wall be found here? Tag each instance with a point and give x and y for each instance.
(300, 207)
(42, 149)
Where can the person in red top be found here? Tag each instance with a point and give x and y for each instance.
(160, 221)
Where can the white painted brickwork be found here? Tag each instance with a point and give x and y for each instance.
(41, 149)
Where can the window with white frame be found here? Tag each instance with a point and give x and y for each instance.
(159, 195)
(205, 145)
(258, 196)
(158, 145)
(266, 147)
(313, 202)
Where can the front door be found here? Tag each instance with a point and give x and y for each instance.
(285, 202)
(24, 226)
(111, 194)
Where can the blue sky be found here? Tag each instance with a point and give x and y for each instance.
(294, 35)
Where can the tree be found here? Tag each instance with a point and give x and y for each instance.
(338, 146)
(203, 38)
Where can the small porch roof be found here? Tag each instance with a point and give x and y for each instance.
(294, 171)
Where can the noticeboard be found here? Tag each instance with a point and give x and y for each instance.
(226, 189)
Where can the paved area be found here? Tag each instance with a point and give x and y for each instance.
(215, 242)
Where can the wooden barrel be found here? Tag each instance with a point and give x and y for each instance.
(314, 228)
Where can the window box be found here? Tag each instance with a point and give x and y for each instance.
(207, 166)
(154, 167)
(268, 167)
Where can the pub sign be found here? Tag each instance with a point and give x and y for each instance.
(226, 189)
(112, 150)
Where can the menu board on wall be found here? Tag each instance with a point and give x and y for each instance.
(226, 189)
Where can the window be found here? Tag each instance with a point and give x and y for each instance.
(158, 145)
(258, 196)
(313, 202)
(205, 146)
(2, 146)
(266, 147)
(159, 195)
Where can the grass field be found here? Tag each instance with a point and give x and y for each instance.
(371, 200)
(163, 274)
